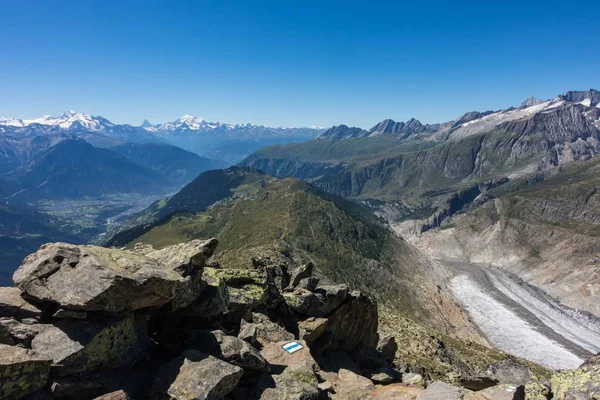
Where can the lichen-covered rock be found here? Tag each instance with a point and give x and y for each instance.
(578, 384)
(86, 346)
(214, 299)
(13, 305)
(93, 278)
(196, 376)
(303, 302)
(333, 296)
(21, 372)
(311, 329)
(354, 323)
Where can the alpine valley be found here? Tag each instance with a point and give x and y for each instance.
(456, 260)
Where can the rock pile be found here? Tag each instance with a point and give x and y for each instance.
(88, 322)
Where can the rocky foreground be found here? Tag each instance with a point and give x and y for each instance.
(87, 322)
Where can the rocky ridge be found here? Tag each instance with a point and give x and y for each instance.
(92, 322)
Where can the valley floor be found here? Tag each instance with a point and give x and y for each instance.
(521, 319)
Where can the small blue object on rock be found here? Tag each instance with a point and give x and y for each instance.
(292, 347)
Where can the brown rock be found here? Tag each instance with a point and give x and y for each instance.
(196, 376)
(311, 329)
(396, 391)
(13, 305)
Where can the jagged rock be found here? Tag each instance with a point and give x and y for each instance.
(396, 391)
(580, 383)
(117, 395)
(188, 260)
(21, 372)
(195, 375)
(351, 386)
(333, 296)
(478, 382)
(268, 331)
(441, 390)
(62, 313)
(214, 299)
(248, 332)
(384, 375)
(299, 273)
(510, 371)
(538, 391)
(13, 305)
(304, 302)
(311, 329)
(387, 346)
(227, 348)
(354, 324)
(93, 278)
(15, 333)
(309, 283)
(87, 346)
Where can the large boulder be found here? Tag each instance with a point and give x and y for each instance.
(580, 383)
(300, 273)
(333, 296)
(351, 386)
(268, 331)
(354, 323)
(188, 260)
(293, 374)
(440, 390)
(93, 278)
(21, 372)
(196, 376)
(396, 391)
(388, 347)
(86, 346)
(227, 348)
(13, 305)
(301, 301)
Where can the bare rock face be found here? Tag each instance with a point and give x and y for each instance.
(333, 296)
(354, 324)
(92, 278)
(387, 346)
(351, 386)
(196, 376)
(312, 329)
(13, 305)
(214, 299)
(21, 372)
(268, 331)
(87, 346)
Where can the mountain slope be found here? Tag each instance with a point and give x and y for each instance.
(546, 231)
(252, 213)
(74, 168)
(176, 164)
(418, 175)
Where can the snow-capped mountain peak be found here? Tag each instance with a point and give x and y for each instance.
(64, 121)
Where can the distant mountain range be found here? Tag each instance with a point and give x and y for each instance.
(209, 139)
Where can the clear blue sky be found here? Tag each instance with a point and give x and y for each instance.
(291, 63)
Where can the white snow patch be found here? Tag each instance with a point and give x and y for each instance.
(586, 102)
(505, 329)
